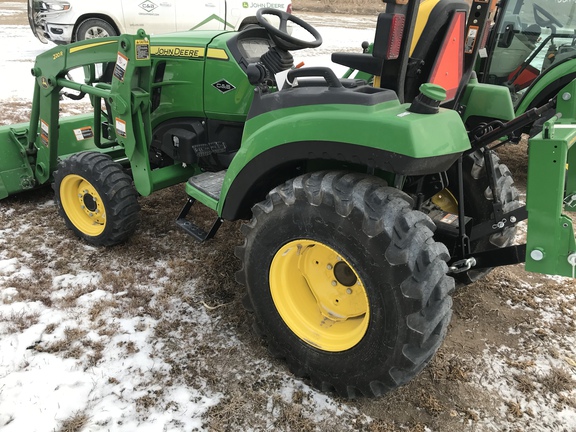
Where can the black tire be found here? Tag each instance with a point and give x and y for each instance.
(96, 198)
(478, 204)
(94, 28)
(387, 245)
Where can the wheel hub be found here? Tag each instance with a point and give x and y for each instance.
(83, 205)
(319, 295)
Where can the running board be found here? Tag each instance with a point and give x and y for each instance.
(193, 229)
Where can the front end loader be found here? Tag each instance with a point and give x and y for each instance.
(365, 203)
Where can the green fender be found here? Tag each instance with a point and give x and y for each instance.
(547, 85)
(278, 144)
(487, 100)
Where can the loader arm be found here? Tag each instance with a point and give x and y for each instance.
(126, 97)
(32, 150)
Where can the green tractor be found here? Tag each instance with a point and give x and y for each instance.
(363, 203)
(531, 49)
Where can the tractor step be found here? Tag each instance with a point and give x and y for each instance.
(209, 183)
(206, 187)
(191, 228)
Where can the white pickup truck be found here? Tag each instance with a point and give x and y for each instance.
(65, 21)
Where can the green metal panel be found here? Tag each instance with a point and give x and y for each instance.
(227, 92)
(487, 100)
(181, 90)
(551, 247)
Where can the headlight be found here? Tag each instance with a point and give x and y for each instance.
(60, 6)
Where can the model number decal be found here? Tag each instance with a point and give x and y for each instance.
(175, 51)
(57, 55)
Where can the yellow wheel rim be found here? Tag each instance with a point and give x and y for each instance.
(83, 205)
(446, 201)
(319, 295)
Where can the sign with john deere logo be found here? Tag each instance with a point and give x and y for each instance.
(245, 5)
(224, 86)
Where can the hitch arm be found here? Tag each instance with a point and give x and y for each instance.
(480, 138)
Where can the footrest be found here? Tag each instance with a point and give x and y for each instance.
(194, 230)
(209, 183)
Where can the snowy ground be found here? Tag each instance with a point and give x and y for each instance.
(152, 335)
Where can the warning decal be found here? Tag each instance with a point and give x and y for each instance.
(121, 65)
(142, 49)
(470, 39)
(44, 132)
(120, 127)
(83, 133)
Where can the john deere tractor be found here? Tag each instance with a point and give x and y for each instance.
(363, 203)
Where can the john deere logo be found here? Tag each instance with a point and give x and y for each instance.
(224, 86)
(245, 5)
(148, 6)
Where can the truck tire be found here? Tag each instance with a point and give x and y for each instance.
(478, 204)
(96, 198)
(94, 28)
(346, 282)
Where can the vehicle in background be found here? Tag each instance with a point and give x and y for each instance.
(68, 21)
(532, 51)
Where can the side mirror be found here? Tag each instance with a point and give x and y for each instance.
(507, 36)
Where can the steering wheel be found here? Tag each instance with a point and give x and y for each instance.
(281, 36)
(542, 22)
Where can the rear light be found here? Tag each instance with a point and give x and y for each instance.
(388, 38)
(395, 38)
(289, 8)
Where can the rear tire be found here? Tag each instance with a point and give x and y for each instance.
(94, 28)
(96, 198)
(346, 282)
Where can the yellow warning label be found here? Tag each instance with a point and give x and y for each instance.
(174, 51)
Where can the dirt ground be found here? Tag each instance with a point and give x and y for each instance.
(508, 362)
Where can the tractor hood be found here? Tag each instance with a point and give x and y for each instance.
(191, 44)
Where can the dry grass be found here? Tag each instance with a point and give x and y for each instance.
(74, 423)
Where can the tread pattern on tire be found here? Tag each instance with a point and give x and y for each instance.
(507, 193)
(383, 214)
(115, 188)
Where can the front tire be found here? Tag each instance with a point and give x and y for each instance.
(346, 282)
(96, 198)
(94, 28)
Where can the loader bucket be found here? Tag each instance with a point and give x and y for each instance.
(16, 174)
